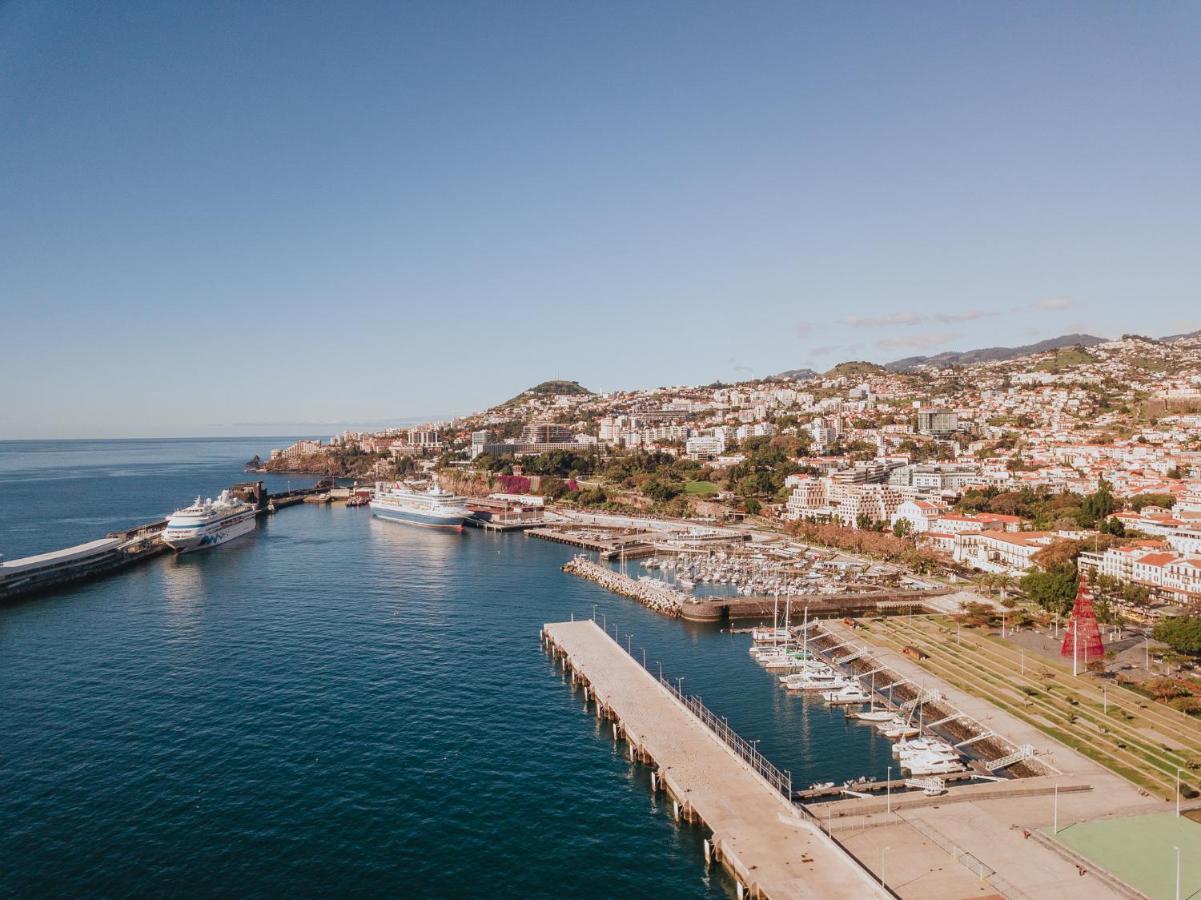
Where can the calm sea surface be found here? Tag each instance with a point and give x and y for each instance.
(333, 704)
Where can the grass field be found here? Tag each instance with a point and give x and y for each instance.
(1139, 850)
(700, 488)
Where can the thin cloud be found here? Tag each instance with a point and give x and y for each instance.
(899, 318)
(918, 341)
(805, 329)
(826, 349)
(966, 316)
(914, 318)
(1053, 303)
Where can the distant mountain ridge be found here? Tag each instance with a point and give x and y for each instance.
(993, 354)
(798, 375)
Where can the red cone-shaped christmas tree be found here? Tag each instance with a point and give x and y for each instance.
(1083, 636)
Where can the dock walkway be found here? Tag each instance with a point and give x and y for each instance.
(771, 846)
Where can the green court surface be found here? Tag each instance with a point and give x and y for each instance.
(1139, 850)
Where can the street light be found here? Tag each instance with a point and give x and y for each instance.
(1055, 819)
(1178, 792)
(1177, 849)
(888, 792)
(882, 852)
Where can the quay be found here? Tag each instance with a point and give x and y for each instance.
(713, 778)
(849, 603)
(605, 542)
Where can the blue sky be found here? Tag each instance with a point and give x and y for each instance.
(232, 217)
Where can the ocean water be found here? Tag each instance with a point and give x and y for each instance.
(334, 704)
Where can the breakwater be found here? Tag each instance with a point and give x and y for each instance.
(665, 600)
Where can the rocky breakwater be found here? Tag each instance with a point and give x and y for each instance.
(651, 594)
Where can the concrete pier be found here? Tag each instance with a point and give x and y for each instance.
(772, 847)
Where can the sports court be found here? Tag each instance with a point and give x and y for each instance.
(1139, 850)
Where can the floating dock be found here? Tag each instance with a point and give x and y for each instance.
(713, 778)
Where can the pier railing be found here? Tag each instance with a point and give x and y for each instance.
(779, 779)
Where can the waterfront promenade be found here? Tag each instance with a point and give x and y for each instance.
(773, 848)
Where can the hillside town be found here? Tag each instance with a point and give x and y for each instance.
(1085, 456)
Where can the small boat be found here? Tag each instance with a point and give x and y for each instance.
(875, 715)
(850, 695)
(929, 763)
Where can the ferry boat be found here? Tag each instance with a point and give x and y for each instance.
(433, 508)
(208, 523)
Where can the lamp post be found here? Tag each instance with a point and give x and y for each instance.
(1178, 792)
(1055, 819)
(883, 850)
(1177, 849)
(888, 792)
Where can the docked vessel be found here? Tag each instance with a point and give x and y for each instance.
(432, 508)
(208, 523)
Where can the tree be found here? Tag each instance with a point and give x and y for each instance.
(1097, 506)
(1164, 688)
(902, 528)
(660, 490)
(1166, 501)
(1053, 590)
(1182, 634)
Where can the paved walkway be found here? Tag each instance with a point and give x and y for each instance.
(768, 843)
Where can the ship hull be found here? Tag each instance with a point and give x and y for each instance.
(454, 522)
(204, 537)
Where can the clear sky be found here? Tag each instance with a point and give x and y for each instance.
(239, 216)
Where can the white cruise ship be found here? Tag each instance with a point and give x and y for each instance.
(209, 523)
(433, 508)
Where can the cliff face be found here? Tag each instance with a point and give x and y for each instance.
(326, 464)
(469, 484)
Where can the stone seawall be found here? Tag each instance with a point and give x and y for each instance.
(661, 599)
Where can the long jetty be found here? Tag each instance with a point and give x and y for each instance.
(713, 778)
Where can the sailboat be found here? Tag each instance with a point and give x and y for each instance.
(873, 714)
